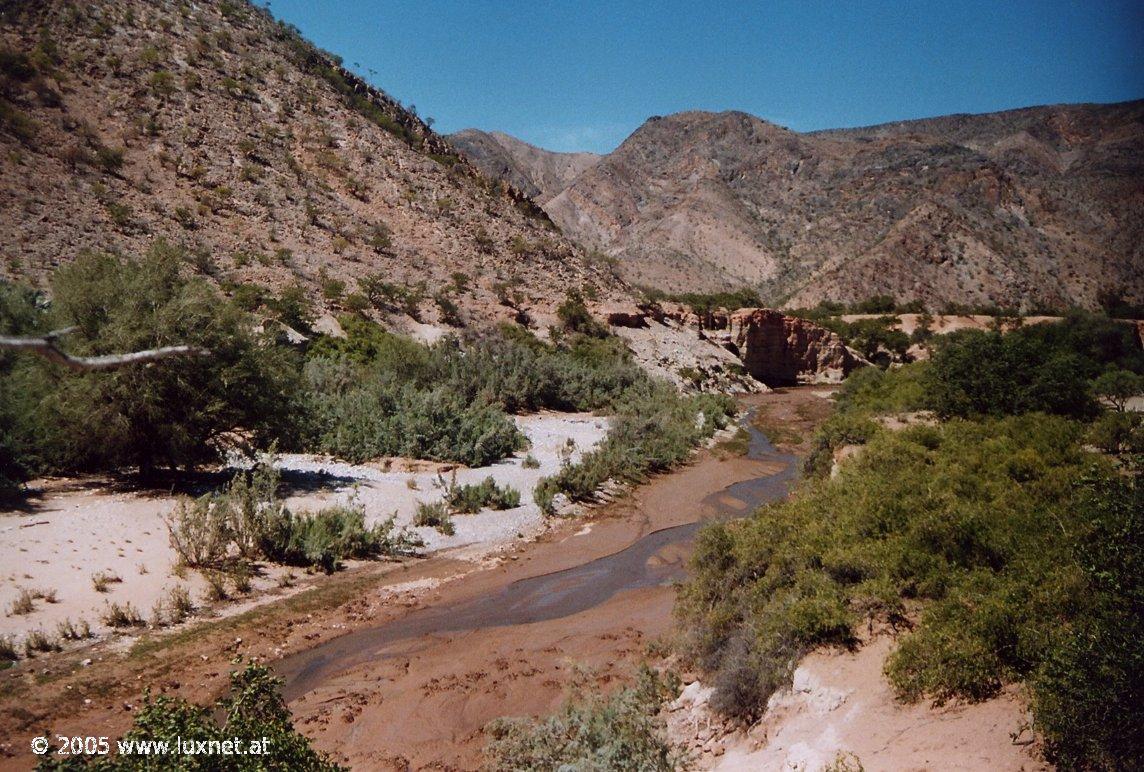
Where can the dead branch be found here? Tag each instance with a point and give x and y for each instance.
(47, 347)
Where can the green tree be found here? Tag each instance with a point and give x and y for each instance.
(1117, 387)
(176, 412)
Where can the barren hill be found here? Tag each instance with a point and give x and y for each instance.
(536, 172)
(1040, 207)
(212, 126)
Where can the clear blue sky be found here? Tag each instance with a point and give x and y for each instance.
(570, 75)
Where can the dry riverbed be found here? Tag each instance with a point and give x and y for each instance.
(82, 545)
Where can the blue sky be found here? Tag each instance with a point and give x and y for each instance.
(583, 75)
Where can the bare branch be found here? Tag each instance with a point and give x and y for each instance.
(46, 347)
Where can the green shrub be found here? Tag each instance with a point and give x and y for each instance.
(1040, 367)
(247, 521)
(621, 732)
(177, 412)
(253, 710)
(1022, 548)
(327, 537)
(1118, 386)
(434, 515)
(468, 499)
(653, 431)
(574, 316)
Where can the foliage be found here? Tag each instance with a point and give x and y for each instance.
(1118, 386)
(253, 710)
(247, 521)
(590, 732)
(653, 431)
(575, 317)
(1015, 548)
(434, 515)
(1041, 367)
(178, 412)
(966, 516)
(468, 499)
(866, 393)
(1118, 432)
(704, 303)
(1086, 693)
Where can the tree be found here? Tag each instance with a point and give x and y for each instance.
(174, 412)
(1117, 387)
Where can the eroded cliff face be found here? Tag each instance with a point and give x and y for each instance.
(765, 345)
(778, 349)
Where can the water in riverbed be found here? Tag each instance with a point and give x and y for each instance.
(654, 559)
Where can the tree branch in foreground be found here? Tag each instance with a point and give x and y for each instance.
(46, 347)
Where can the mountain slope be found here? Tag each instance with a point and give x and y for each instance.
(1041, 207)
(539, 174)
(212, 126)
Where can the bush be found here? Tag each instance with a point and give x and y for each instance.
(247, 521)
(327, 537)
(177, 412)
(622, 732)
(253, 710)
(1021, 547)
(434, 515)
(468, 499)
(574, 315)
(653, 432)
(1040, 367)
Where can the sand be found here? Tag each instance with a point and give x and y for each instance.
(77, 529)
(841, 703)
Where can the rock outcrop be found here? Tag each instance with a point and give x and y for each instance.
(779, 349)
(709, 351)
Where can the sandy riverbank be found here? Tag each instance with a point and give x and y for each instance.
(78, 529)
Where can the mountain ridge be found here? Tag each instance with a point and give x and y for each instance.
(1037, 207)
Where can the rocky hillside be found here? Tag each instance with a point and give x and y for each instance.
(538, 173)
(1041, 207)
(212, 126)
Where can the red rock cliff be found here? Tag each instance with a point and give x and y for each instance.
(778, 349)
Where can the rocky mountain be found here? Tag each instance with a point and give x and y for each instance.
(538, 173)
(212, 126)
(1040, 207)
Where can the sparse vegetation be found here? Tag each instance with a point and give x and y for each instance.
(434, 514)
(74, 632)
(102, 580)
(25, 603)
(126, 615)
(178, 604)
(38, 641)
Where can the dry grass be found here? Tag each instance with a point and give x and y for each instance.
(39, 641)
(103, 580)
(74, 632)
(117, 616)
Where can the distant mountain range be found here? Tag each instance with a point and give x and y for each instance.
(1040, 207)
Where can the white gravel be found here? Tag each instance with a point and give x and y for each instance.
(389, 493)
